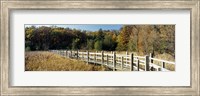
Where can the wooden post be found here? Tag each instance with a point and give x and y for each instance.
(77, 54)
(83, 56)
(107, 59)
(122, 62)
(131, 65)
(95, 57)
(126, 57)
(114, 61)
(71, 53)
(102, 57)
(146, 63)
(163, 65)
(66, 53)
(150, 56)
(138, 65)
(88, 57)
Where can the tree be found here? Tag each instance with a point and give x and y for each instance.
(75, 44)
(108, 43)
(98, 45)
(100, 35)
(90, 44)
(123, 38)
(133, 41)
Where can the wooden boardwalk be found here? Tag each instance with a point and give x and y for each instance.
(118, 62)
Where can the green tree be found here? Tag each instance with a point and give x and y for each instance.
(90, 44)
(75, 44)
(108, 43)
(98, 45)
(100, 35)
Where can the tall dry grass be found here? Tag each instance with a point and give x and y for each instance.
(46, 61)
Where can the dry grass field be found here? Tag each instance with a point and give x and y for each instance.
(46, 61)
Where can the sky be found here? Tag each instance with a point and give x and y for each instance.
(90, 27)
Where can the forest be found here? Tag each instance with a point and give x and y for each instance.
(143, 39)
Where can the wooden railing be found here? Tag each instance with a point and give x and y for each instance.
(117, 61)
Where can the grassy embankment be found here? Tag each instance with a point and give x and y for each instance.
(46, 61)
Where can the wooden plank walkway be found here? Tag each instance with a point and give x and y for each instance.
(118, 62)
